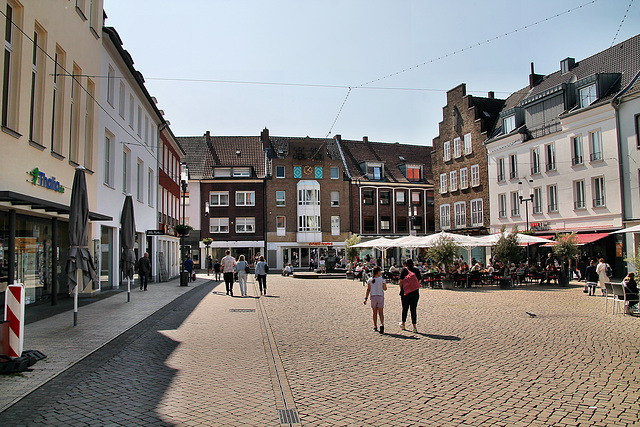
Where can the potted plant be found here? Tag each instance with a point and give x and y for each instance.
(351, 253)
(443, 253)
(507, 250)
(565, 249)
(183, 229)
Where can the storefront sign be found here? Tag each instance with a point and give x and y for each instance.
(41, 179)
(155, 233)
(320, 243)
(539, 226)
(619, 253)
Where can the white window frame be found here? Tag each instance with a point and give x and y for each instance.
(335, 225)
(537, 200)
(140, 180)
(578, 195)
(121, 100)
(445, 217)
(280, 168)
(552, 198)
(513, 166)
(457, 147)
(446, 151)
(515, 203)
(219, 196)
(281, 198)
(477, 214)
(401, 197)
(248, 198)
(598, 189)
(501, 171)
(150, 187)
(132, 111)
(335, 199)
(219, 225)
(308, 196)
(550, 156)
(587, 95)
(468, 146)
(453, 181)
(245, 225)
(464, 179)
(475, 175)
(577, 153)
(111, 75)
(108, 159)
(337, 172)
(126, 170)
(502, 205)
(535, 160)
(241, 172)
(509, 123)
(460, 214)
(595, 146)
(443, 183)
(308, 223)
(281, 231)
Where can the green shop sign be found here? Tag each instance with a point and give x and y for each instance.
(40, 178)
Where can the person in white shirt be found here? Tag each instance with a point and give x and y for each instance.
(601, 269)
(228, 264)
(375, 288)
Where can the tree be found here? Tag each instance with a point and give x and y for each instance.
(633, 261)
(444, 252)
(566, 249)
(352, 253)
(507, 249)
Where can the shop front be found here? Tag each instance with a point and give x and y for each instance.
(251, 249)
(302, 255)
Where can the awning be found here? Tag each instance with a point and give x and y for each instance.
(584, 239)
(17, 199)
(546, 236)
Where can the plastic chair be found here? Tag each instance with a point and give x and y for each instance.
(621, 294)
(609, 295)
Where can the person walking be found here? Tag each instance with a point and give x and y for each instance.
(591, 278)
(228, 264)
(209, 265)
(217, 269)
(375, 289)
(261, 275)
(241, 268)
(144, 269)
(188, 265)
(603, 277)
(410, 293)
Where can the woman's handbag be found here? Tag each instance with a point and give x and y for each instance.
(410, 283)
(247, 269)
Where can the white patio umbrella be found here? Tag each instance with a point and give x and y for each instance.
(523, 239)
(634, 229)
(462, 240)
(381, 243)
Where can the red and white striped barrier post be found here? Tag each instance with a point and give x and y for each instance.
(14, 314)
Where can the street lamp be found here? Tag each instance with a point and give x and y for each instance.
(526, 209)
(184, 179)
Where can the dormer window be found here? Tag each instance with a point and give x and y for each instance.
(375, 171)
(509, 123)
(239, 172)
(588, 95)
(414, 173)
(218, 172)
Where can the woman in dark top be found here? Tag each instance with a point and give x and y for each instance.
(591, 278)
(631, 290)
(409, 301)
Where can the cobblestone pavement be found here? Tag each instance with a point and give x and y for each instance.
(478, 359)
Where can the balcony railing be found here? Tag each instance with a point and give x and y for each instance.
(502, 213)
(546, 129)
(598, 202)
(551, 166)
(537, 209)
(515, 212)
(596, 156)
(578, 204)
(577, 160)
(500, 177)
(513, 175)
(535, 170)
(553, 208)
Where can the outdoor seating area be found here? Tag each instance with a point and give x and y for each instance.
(617, 294)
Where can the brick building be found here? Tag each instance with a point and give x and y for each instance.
(459, 162)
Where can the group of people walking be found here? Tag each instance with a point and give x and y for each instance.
(240, 269)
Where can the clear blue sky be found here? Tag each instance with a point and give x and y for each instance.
(349, 43)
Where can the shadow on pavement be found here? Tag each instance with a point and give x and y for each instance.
(404, 337)
(440, 337)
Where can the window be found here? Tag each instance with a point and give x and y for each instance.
(139, 121)
(401, 224)
(513, 166)
(308, 223)
(460, 210)
(414, 173)
(88, 125)
(335, 225)
(400, 198)
(121, 100)
(245, 198)
(219, 225)
(501, 176)
(108, 161)
(453, 180)
(280, 172)
(11, 70)
(281, 198)
(598, 192)
(150, 187)
(445, 217)
(218, 198)
(221, 172)
(281, 222)
(385, 223)
(374, 171)
(385, 197)
(110, 85)
(310, 197)
(515, 204)
(552, 196)
(509, 123)
(140, 181)
(576, 151)
(468, 148)
(245, 225)
(318, 172)
(57, 112)
(367, 197)
(335, 198)
(464, 179)
(416, 223)
(587, 95)
(369, 224)
(241, 172)
(416, 199)
(595, 144)
(535, 161)
(74, 115)
(335, 173)
(446, 151)
(477, 219)
(537, 200)
(37, 86)
(578, 194)
(457, 148)
(443, 183)
(146, 130)
(95, 15)
(131, 111)
(475, 175)
(502, 205)
(126, 167)
(550, 150)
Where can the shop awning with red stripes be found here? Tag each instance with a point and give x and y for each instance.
(583, 239)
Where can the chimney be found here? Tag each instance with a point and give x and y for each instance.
(567, 65)
(534, 78)
(207, 137)
(365, 139)
(491, 95)
(264, 138)
(338, 138)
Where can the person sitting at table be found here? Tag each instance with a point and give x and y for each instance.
(476, 267)
(521, 273)
(631, 290)
(394, 269)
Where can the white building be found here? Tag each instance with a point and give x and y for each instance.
(127, 157)
(558, 146)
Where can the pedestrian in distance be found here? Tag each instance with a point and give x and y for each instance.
(241, 268)
(375, 290)
(410, 293)
(144, 269)
(591, 278)
(261, 275)
(188, 265)
(228, 265)
(209, 265)
(604, 273)
(217, 269)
